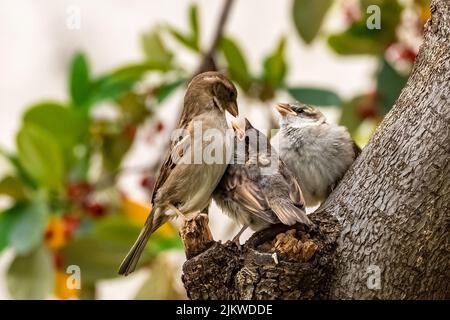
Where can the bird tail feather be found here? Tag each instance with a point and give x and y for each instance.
(152, 223)
(289, 214)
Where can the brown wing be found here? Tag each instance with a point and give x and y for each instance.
(288, 210)
(242, 190)
(295, 193)
(288, 213)
(178, 147)
(187, 114)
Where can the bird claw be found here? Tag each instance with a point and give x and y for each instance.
(177, 211)
(195, 215)
(235, 240)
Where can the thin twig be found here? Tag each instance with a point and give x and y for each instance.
(208, 63)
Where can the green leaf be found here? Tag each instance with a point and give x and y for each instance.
(19, 169)
(359, 39)
(28, 224)
(237, 66)
(154, 48)
(159, 284)
(7, 218)
(118, 229)
(314, 96)
(13, 187)
(195, 29)
(66, 125)
(97, 258)
(31, 276)
(349, 115)
(166, 89)
(40, 155)
(389, 85)
(308, 17)
(137, 70)
(133, 107)
(112, 86)
(349, 44)
(275, 67)
(114, 148)
(160, 243)
(79, 81)
(185, 40)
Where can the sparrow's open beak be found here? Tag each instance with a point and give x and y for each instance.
(232, 108)
(239, 132)
(284, 109)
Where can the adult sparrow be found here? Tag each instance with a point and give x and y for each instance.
(186, 179)
(257, 189)
(317, 152)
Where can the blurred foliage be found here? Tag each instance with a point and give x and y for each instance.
(308, 17)
(59, 214)
(395, 56)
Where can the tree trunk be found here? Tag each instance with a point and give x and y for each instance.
(384, 231)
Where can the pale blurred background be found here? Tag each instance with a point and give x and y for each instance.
(37, 49)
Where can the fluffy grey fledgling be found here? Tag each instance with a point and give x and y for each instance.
(318, 153)
(181, 187)
(255, 199)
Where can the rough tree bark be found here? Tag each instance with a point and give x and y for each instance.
(387, 221)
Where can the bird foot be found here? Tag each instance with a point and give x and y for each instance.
(235, 239)
(177, 211)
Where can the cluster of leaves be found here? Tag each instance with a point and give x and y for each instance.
(359, 39)
(56, 218)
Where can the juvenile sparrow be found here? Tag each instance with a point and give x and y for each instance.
(318, 153)
(255, 198)
(185, 185)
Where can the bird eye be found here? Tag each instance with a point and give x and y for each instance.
(300, 111)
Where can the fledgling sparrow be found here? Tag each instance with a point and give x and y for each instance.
(184, 186)
(254, 198)
(318, 153)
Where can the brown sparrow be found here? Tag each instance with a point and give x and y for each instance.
(186, 181)
(317, 153)
(258, 190)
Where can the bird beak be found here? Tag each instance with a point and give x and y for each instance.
(232, 108)
(239, 132)
(284, 109)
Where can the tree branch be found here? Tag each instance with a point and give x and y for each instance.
(208, 63)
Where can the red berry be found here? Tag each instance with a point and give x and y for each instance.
(129, 131)
(78, 191)
(95, 209)
(159, 126)
(58, 260)
(407, 54)
(367, 111)
(71, 223)
(374, 94)
(48, 234)
(351, 13)
(148, 182)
